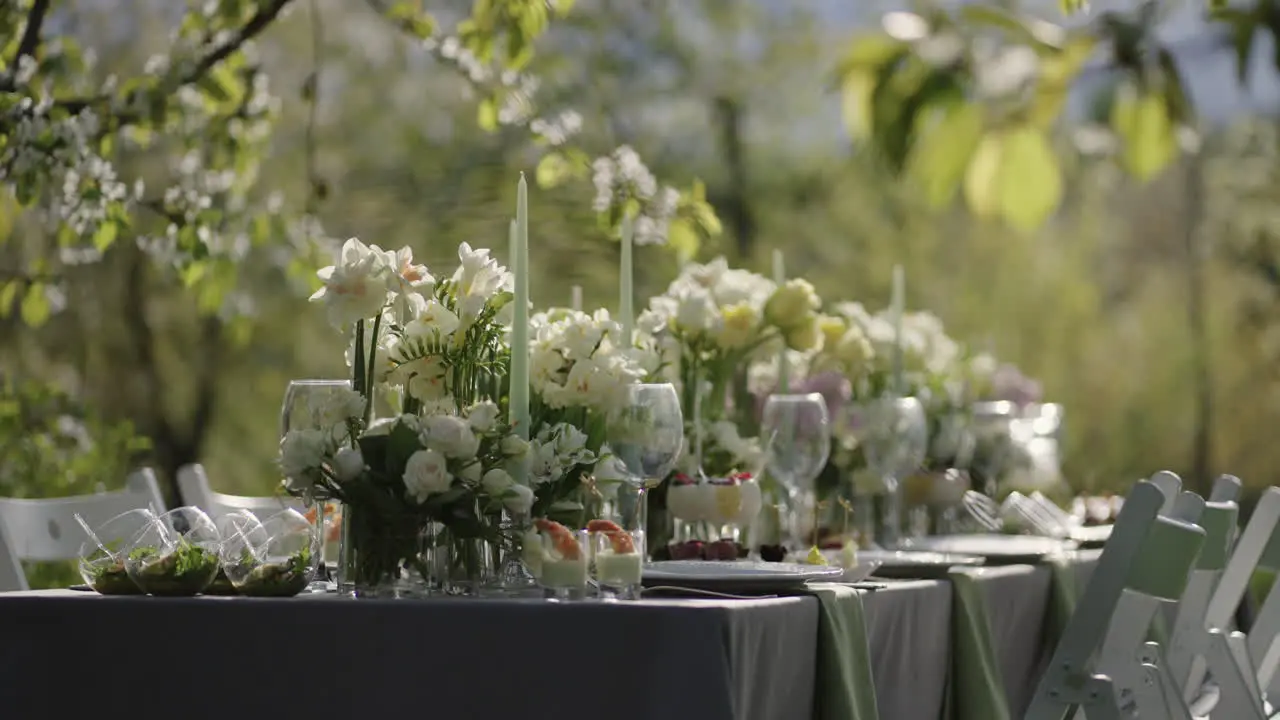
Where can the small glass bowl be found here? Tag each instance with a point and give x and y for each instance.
(617, 560)
(272, 558)
(176, 555)
(562, 571)
(103, 566)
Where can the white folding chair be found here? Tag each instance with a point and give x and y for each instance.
(1144, 565)
(45, 529)
(1203, 645)
(193, 483)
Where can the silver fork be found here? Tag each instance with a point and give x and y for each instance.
(982, 509)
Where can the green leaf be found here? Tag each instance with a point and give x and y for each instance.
(1071, 7)
(857, 92)
(562, 7)
(401, 444)
(1149, 136)
(981, 188)
(487, 115)
(942, 150)
(105, 235)
(35, 306)
(1001, 19)
(682, 238)
(1030, 179)
(8, 293)
(1058, 73)
(552, 170)
(869, 52)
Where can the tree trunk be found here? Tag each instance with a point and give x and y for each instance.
(1197, 297)
(737, 210)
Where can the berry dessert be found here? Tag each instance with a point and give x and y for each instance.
(773, 553)
(734, 500)
(724, 549)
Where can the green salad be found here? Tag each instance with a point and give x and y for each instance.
(111, 578)
(187, 570)
(284, 578)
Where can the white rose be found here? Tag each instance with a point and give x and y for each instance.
(518, 500)
(483, 416)
(301, 453)
(426, 474)
(348, 464)
(451, 436)
(496, 482)
(339, 406)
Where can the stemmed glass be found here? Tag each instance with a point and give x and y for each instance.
(797, 430)
(893, 435)
(308, 406)
(646, 435)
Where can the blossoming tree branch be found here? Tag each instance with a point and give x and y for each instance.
(966, 101)
(207, 107)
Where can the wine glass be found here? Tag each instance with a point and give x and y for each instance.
(893, 436)
(797, 430)
(308, 405)
(646, 435)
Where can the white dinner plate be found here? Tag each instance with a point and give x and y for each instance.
(736, 576)
(996, 548)
(855, 574)
(915, 564)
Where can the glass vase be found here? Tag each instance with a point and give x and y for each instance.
(379, 552)
(468, 563)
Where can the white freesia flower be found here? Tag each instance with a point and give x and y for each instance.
(544, 462)
(354, 288)
(404, 276)
(431, 321)
(450, 435)
(483, 416)
(348, 464)
(477, 280)
(423, 377)
(696, 313)
(426, 474)
(301, 454)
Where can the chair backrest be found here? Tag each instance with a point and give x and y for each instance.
(46, 529)
(193, 483)
(11, 575)
(1145, 563)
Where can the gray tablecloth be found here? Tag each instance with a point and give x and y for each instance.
(909, 632)
(76, 655)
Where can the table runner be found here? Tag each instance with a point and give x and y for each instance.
(844, 687)
(74, 654)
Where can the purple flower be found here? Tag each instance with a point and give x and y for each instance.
(1011, 385)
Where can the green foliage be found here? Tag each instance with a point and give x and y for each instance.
(933, 74)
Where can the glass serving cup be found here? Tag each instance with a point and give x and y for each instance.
(272, 558)
(617, 557)
(103, 565)
(562, 572)
(176, 554)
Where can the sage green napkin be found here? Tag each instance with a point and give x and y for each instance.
(844, 689)
(977, 687)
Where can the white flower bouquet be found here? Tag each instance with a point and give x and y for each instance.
(438, 347)
(709, 324)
